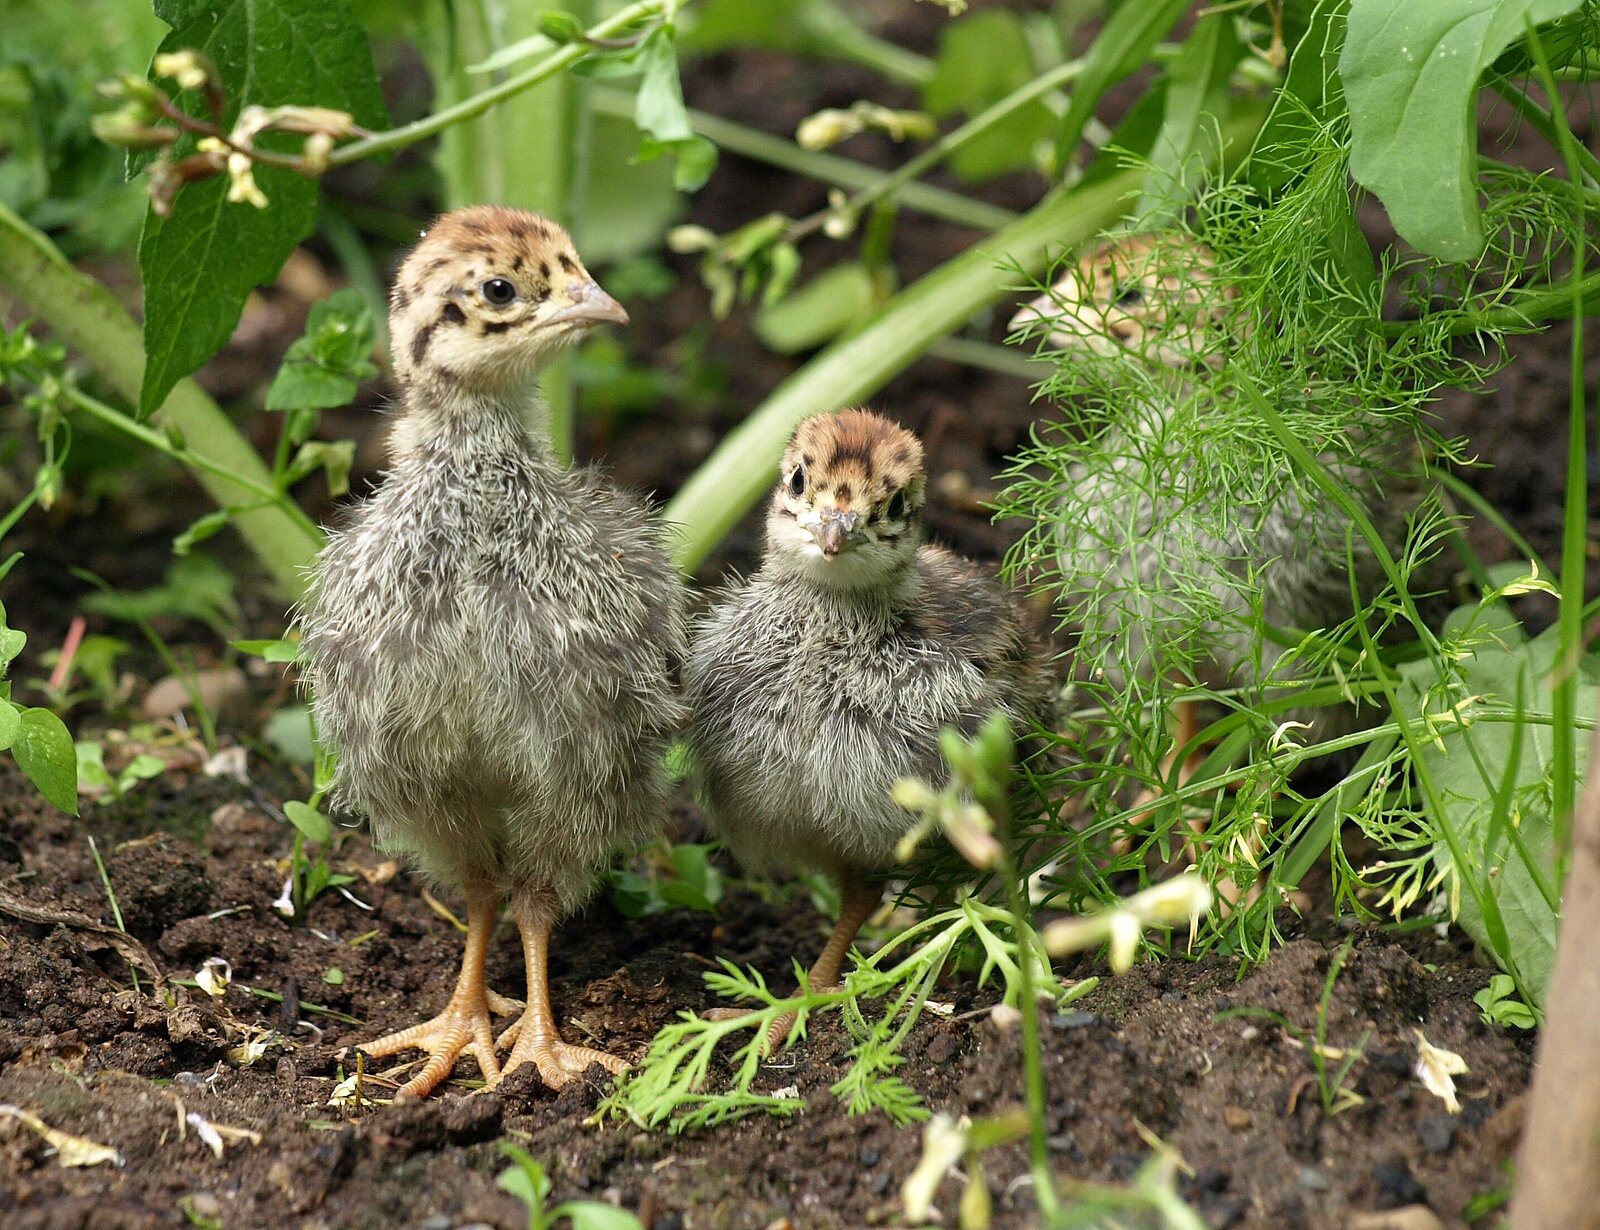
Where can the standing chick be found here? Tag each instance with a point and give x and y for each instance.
(827, 676)
(493, 636)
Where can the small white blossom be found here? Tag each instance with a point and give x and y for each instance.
(1436, 1069)
(214, 976)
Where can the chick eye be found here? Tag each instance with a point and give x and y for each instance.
(797, 481)
(899, 505)
(498, 291)
(1129, 294)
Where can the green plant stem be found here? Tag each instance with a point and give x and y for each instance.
(88, 318)
(779, 152)
(830, 31)
(475, 105)
(1034, 1091)
(738, 473)
(1002, 360)
(945, 146)
(1551, 123)
(265, 495)
(1574, 521)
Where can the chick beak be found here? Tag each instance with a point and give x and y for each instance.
(834, 530)
(590, 306)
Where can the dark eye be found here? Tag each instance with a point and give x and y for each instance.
(899, 505)
(1129, 294)
(498, 291)
(797, 481)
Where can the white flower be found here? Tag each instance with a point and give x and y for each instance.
(214, 976)
(944, 1143)
(1435, 1069)
(285, 902)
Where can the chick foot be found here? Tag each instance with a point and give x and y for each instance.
(534, 1036)
(463, 1028)
(858, 898)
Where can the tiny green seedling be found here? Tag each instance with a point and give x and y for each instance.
(38, 740)
(1499, 1005)
(95, 778)
(527, 1181)
(676, 877)
(1330, 1081)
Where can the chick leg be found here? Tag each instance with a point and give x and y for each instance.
(463, 1026)
(535, 1033)
(858, 898)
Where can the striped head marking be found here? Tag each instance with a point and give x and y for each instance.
(847, 510)
(487, 297)
(1157, 298)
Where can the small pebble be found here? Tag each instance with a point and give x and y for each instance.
(1237, 1118)
(1313, 1180)
(1397, 1183)
(1221, 1212)
(204, 1204)
(439, 1221)
(668, 1220)
(1413, 1217)
(221, 691)
(1437, 1131)
(1075, 1020)
(870, 1156)
(942, 1049)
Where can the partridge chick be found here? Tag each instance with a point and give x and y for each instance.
(493, 635)
(827, 676)
(1137, 532)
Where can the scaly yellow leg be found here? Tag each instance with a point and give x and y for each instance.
(535, 1035)
(463, 1026)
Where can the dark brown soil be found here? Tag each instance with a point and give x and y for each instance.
(1142, 1057)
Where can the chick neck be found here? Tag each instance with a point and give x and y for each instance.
(448, 415)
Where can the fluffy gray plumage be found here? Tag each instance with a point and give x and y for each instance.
(492, 641)
(493, 638)
(825, 677)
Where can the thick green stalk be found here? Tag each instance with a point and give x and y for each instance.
(1574, 521)
(88, 318)
(780, 152)
(523, 152)
(477, 104)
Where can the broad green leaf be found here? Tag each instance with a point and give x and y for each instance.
(662, 117)
(289, 730)
(43, 750)
(1510, 853)
(982, 58)
(593, 1215)
(628, 205)
(1197, 107)
(1310, 98)
(1410, 76)
(10, 723)
(313, 825)
(326, 365)
(12, 641)
(819, 311)
(1119, 49)
(201, 262)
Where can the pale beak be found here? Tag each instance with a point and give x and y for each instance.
(590, 306)
(834, 530)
